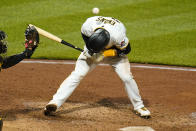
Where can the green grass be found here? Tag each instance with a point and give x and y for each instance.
(160, 31)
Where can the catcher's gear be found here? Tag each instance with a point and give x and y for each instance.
(3, 42)
(31, 40)
(1, 124)
(31, 37)
(98, 40)
(2, 35)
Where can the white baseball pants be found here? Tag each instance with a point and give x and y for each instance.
(83, 65)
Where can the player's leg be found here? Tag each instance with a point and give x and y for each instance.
(122, 68)
(82, 67)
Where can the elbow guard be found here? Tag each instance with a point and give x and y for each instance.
(110, 52)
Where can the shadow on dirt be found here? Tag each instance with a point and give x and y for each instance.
(11, 115)
(105, 102)
(113, 103)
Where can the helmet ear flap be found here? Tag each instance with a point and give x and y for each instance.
(98, 40)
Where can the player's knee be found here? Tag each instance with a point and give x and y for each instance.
(126, 78)
(78, 75)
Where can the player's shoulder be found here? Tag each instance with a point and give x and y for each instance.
(89, 21)
(87, 27)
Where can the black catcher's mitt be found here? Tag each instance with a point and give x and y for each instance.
(31, 38)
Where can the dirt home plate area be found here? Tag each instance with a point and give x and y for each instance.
(100, 102)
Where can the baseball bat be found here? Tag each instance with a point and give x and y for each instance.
(55, 38)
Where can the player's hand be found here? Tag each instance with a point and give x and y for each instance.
(98, 57)
(87, 53)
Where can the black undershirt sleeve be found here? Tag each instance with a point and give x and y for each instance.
(15, 59)
(125, 51)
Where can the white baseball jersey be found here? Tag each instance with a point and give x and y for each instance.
(116, 29)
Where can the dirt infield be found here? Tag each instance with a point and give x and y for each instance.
(100, 103)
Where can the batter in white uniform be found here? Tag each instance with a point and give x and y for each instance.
(105, 41)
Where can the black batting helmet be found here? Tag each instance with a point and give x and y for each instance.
(3, 42)
(98, 40)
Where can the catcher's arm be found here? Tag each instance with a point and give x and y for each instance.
(12, 60)
(31, 43)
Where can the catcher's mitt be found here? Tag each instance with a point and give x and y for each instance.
(31, 38)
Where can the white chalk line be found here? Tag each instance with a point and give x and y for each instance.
(137, 128)
(133, 66)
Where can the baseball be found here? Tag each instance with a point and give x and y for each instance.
(95, 10)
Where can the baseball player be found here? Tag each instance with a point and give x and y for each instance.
(31, 43)
(105, 40)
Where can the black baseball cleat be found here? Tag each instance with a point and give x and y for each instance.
(50, 110)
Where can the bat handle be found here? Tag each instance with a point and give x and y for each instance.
(79, 49)
(70, 45)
